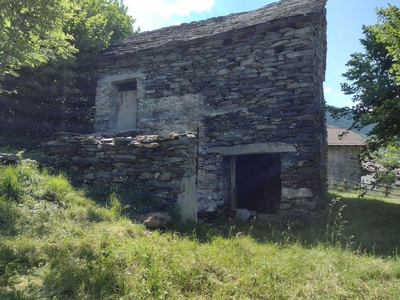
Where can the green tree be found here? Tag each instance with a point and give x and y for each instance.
(388, 157)
(388, 33)
(31, 33)
(95, 24)
(60, 94)
(374, 81)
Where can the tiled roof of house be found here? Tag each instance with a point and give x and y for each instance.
(211, 27)
(343, 137)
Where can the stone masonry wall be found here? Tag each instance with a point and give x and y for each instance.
(260, 85)
(162, 166)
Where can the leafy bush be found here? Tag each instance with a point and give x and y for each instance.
(385, 178)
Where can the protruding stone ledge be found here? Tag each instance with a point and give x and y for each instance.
(8, 158)
(253, 149)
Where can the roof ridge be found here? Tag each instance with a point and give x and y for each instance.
(216, 25)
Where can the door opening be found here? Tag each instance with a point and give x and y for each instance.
(257, 182)
(126, 104)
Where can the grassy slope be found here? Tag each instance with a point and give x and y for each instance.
(57, 244)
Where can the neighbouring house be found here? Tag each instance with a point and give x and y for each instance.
(344, 148)
(248, 85)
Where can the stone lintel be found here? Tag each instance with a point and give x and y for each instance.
(253, 149)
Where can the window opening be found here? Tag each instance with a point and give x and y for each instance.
(125, 86)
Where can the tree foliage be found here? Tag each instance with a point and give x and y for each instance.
(388, 33)
(98, 23)
(31, 33)
(59, 95)
(374, 81)
(388, 157)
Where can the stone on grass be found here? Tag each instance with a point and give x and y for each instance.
(156, 220)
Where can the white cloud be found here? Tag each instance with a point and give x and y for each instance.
(153, 14)
(327, 90)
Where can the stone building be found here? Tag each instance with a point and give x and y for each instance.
(249, 85)
(344, 155)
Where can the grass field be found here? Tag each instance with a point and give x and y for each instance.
(56, 243)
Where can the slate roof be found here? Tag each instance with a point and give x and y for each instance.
(210, 27)
(342, 137)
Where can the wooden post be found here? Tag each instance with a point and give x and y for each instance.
(233, 183)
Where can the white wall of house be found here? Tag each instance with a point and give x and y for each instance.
(344, 163)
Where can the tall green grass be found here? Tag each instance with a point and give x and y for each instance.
(57, 244)
(372, 223)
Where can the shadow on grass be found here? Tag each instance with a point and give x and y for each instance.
(364, 225)
(373, 223)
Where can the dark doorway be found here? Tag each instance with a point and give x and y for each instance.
(258, 183)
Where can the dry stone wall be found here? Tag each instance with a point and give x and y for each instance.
(162, 166)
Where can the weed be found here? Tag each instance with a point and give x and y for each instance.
(55, 243)
(335, 225)
(9, 183)
(56, 188)
(8, 214)
(116, 206)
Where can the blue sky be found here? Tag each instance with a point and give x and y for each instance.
(345, 20)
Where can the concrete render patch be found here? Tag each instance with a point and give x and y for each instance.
(187, 200)
(253, 149)
(290, 193)
(305, 204)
